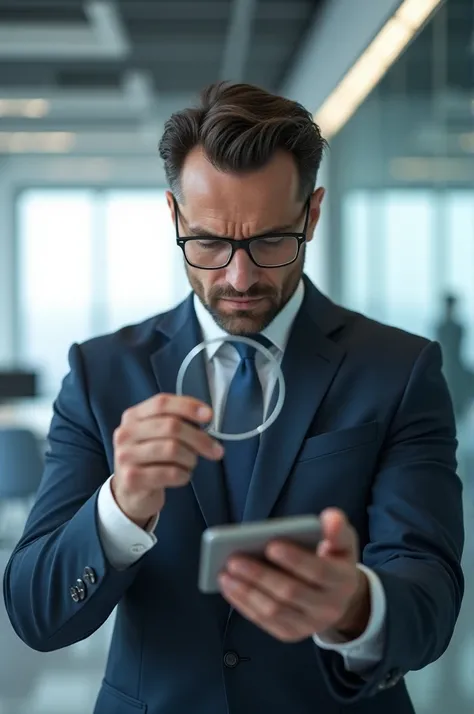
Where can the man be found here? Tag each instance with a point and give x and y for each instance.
(366, 438)
(450, 334)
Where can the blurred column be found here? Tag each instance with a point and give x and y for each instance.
(238, 40)
(7, 282)
(341, 31)
(439, 63)
(99, 316)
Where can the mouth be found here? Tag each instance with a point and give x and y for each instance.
(242, 303)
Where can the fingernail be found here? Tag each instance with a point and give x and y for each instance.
(277, 551)
(224, 580)
(204, 412)
(218, 449)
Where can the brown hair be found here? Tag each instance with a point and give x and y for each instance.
(239, 127)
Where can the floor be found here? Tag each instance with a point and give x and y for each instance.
(68, 680)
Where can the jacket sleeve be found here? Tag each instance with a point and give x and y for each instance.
(416, 535)
(61, 544)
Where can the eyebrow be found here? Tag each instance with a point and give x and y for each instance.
(201, 231)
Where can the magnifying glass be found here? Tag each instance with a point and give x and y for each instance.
(189, 376)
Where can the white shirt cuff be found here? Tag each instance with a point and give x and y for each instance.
(363, 653)
(122, 540)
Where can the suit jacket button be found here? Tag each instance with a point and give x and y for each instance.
(74, 593)
(391, 679)
(81, 589)
(89, 575)
(231, 659)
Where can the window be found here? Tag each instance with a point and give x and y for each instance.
(355, 251)
(55, 261)
(140, 258)
(460, 260)
(402, 249)
(90, 262)
(409, 239)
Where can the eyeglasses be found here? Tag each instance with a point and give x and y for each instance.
(273, 250)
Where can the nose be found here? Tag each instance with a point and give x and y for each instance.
(241, 273)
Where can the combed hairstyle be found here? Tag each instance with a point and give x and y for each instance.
(240, 127)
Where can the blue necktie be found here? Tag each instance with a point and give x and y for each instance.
(243, 411)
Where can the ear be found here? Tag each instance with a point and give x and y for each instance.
(170, 202)
(315, 211)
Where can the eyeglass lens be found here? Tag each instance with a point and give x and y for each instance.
(266, 252)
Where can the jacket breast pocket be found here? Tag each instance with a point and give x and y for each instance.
(112, 701)
(337, 441)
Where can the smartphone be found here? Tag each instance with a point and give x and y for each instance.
(220, 542)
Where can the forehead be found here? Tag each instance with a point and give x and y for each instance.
(269, 194)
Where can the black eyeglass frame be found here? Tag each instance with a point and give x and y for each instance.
(243, 244)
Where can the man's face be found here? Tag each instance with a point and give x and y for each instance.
(242, 297)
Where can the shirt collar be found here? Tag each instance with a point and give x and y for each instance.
(277, 331)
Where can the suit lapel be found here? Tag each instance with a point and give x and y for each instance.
(182, 331)
(310, 364)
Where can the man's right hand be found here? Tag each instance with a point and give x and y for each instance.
(156, 447)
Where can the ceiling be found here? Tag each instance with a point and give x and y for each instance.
(440, 57)
(104, 75)
(180, 43)
(121, 66)
(420, 118)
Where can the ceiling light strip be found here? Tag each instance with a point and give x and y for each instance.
(373, 64)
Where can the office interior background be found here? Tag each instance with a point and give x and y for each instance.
(87, 245)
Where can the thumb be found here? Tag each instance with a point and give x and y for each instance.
(339, 537)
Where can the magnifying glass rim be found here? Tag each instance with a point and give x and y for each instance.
(266, 352)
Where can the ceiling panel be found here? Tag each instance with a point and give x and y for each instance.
(178, 43)
(421, 68)
(42, 12)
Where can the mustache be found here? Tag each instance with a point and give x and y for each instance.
(229, 293)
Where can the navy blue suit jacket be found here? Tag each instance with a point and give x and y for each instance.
(367, 426)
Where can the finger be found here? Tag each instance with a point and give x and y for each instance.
(278, 620)
(338, 535)
(163, 404)
(282, 586)
(152, 478)
(306, 566)
(174, 428)
(159, 451)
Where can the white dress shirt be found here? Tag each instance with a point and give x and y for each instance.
(124, 542)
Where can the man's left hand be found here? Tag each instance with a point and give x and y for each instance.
(299, 593)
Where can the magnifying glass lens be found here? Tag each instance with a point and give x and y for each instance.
(246, 394)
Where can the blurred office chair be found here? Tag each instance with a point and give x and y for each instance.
(21, 468)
